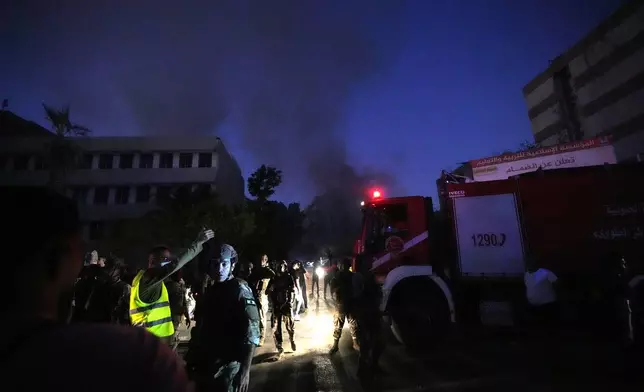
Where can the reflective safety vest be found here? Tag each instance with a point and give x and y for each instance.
(155, 317)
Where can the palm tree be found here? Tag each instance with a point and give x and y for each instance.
(62, 154)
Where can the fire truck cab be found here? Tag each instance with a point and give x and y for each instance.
(465, 262)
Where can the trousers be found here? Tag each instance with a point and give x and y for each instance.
(341, 316)
(282, 319)
(370, 338)
(315, 286)
(262, 305)
(218, 378)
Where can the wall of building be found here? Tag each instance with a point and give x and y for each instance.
(596, 88)
(123, 177)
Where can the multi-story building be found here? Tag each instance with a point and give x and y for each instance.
(121, 178)
(596, 88)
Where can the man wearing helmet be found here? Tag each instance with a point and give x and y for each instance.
(227, 331)
(281, 291)
(259, 281)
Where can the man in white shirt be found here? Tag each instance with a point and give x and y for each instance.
(541, 295)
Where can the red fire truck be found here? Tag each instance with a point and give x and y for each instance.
(465, 262)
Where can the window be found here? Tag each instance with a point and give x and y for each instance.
(122, 195)
(21, 162)
(80, 194)
(145, 161)
(143, 194)
(87, 161)
(383, 222)
(165, 160)
(96, 230)
(185, 160)
(126, 161)
(101, 194)
(40, 163)
(205, 159)
(164, 193)
(105, 161)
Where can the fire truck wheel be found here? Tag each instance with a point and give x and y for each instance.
(419, 321)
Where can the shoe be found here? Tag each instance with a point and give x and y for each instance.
(261, 342)
(293, 346)
(280, 354)
(297, 317)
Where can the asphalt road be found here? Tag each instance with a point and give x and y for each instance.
(481, 363)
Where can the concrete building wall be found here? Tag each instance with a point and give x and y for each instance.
(123, 177)
(596, 88)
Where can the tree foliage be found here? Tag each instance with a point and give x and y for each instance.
(179, 218)
(61, 123)
(61, 154)
(255, 227)
(525, 145)
(262, 183)
(278, 229)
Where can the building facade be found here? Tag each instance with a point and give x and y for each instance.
(121, 178)
(596, 88)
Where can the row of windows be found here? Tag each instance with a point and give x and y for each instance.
(127, 194)
(125, 161)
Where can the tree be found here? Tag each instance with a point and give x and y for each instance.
(332, 222)
(262, 183)
(61, 153)
(180, 217)
(527, 145)
(278, 227)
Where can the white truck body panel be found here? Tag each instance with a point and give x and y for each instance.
(488, 235)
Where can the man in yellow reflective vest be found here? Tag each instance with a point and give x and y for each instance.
(149, 302)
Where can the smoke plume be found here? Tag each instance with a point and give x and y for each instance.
(280, 72)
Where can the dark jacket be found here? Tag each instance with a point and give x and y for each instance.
(229, 320)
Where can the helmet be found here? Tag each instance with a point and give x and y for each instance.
(228, 252)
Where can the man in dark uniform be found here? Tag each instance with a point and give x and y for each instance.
(259, 280)
(315, 279)
(331, 270)
(227, 331)
(281, 290)
(343, 295)
(366, 313)
(244, 270)
(178, 303)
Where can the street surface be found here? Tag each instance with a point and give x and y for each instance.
(475, 364)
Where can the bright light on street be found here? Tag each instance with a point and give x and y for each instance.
(319, 271)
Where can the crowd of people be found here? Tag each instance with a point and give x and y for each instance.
(280, 288)
(94, 316)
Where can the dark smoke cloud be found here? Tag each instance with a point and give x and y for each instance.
(280, 71)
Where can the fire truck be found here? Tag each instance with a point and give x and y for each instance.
(465, 262)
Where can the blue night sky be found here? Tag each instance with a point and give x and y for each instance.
(444, 86)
